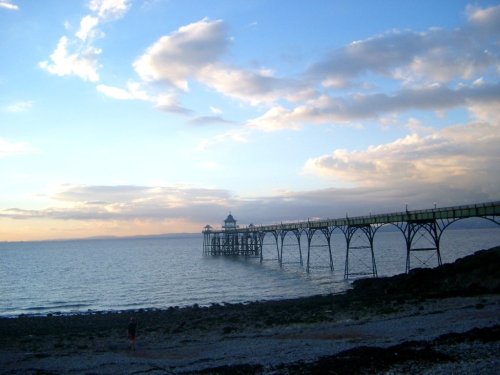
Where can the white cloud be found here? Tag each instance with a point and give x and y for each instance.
(87, 27)
(109, 9)
(114, 92)
(133, 90)
(78, 56)
(7, 4)
(215, 110)
(18, 106)
(175, 58)
(82, 63)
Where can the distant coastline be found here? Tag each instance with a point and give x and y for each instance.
(473, 223)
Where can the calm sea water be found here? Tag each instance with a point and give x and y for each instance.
(98, 275)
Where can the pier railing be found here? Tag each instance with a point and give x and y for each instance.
(429, 223)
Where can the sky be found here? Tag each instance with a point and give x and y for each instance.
(135, 117)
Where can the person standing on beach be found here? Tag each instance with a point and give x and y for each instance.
(131, 332)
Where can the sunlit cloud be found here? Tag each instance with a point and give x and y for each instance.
(425, 67)
(126, 202)
(462, 156)
(194, 52)
(484, 18)
(385, 80)
(195, 207)
(7, 4)
(174, 58)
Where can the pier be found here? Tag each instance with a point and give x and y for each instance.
(421, 229)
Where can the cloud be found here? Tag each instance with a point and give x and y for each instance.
(423, 70)
(134, 206)
(115, 92)
(216, 111)
(194, 52)
(133, 90)
(87, 28)
(487, 19)
(276, 118)
(255, 88)
(127, 202)
(109, 9)
(170, 103)
(8, 149)
(78, 56)
(239, 135)
(21, 106)
(205, 120)
(436, 55)
(175, 58)
(430, 70)
(462, 157)
(345, 109)
(7, 4)
(82, 63)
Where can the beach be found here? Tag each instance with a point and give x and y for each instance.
(443, 320)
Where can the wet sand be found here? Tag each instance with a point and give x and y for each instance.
(444, 320)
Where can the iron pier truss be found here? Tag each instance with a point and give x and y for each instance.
(359, 233)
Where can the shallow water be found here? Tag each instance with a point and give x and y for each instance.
(119, 274)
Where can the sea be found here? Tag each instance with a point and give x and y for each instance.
(96, 275)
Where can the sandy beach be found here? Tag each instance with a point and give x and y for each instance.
(437, 321)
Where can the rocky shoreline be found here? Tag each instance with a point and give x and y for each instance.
(439, 320)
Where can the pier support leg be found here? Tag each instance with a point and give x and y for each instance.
(328, 236)
(297, 234)
(276, 240)
(369, 231)
(309, 238)
(428, 229)
(260, 238)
